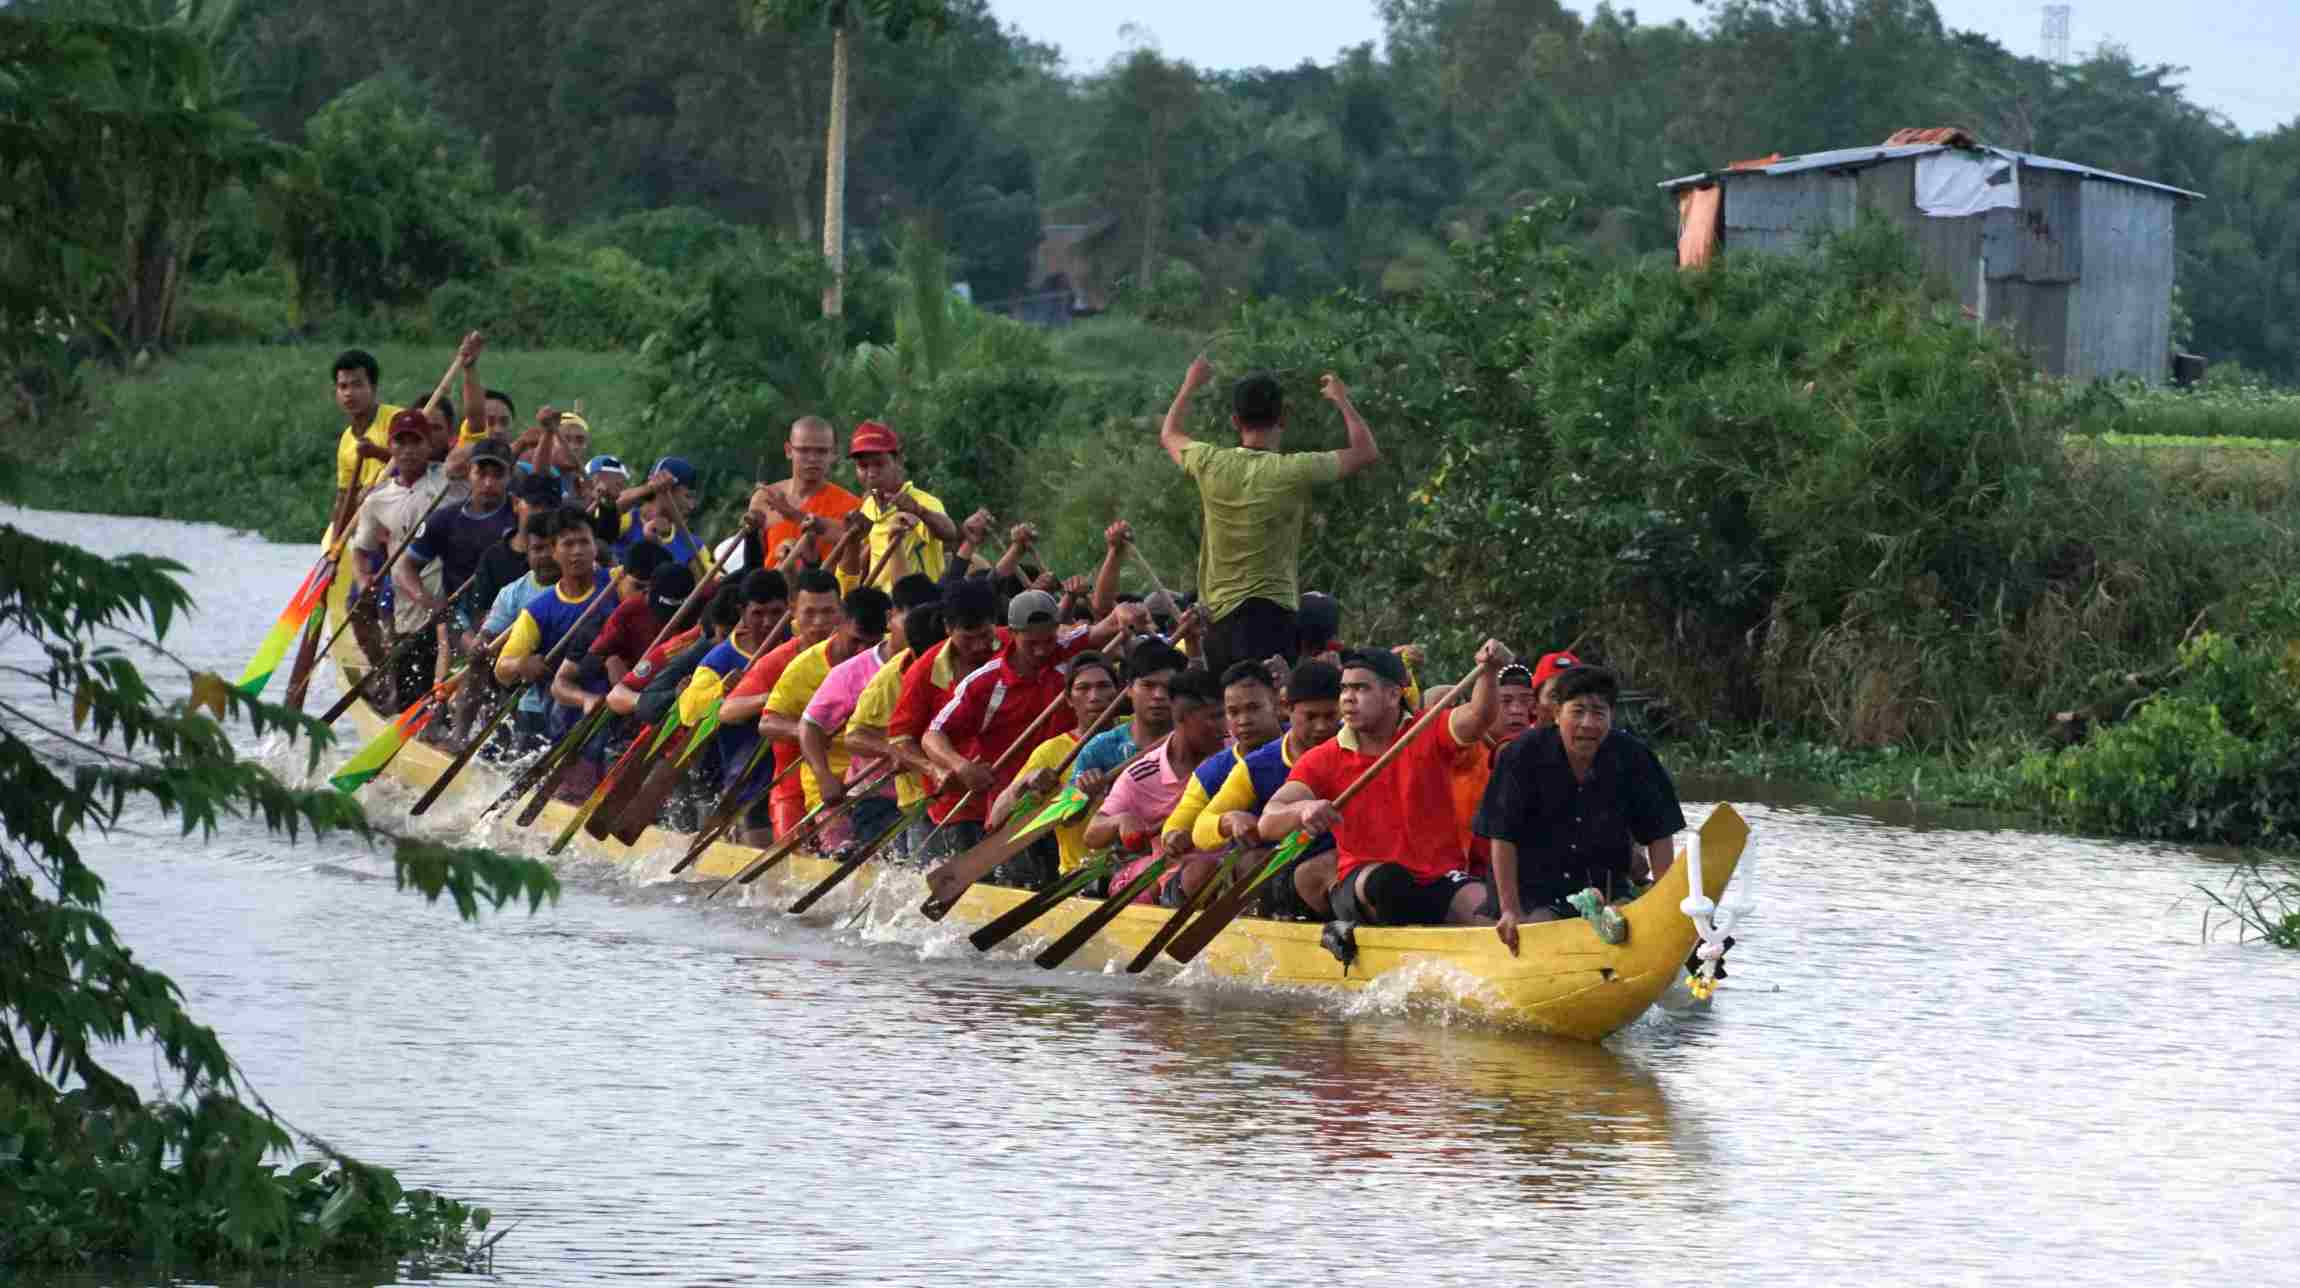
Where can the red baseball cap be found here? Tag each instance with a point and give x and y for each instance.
(409, 421)
(870, 436)
(1551, 664)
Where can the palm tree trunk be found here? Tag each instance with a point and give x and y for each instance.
(835, 180)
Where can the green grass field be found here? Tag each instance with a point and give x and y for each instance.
(245, 435)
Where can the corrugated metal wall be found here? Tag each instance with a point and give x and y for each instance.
(1782, 215)
(2123, 323)
(2081, 273)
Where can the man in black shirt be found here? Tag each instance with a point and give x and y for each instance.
(1568, 810)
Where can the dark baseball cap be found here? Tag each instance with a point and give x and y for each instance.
(1389, 666)
(673, 583)
(492, 449)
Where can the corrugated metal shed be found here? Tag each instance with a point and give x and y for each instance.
(2081, 272)
(1855, 158)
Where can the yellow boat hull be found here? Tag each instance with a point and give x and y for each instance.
(1563, 981)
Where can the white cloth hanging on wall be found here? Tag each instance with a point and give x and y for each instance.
(1954, 184)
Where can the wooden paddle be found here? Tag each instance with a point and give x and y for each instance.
(307, 649)
(1092, 923)
(640, 748)
(356, 691)
(1222, 912)
(730, 805)
(510, 700)
(1215, 881)
(570, 749)
(666, 775)
(1015, 840)
(846, 868)
(346, 511)
(950, 880)
(1003, 927)
(821, 816)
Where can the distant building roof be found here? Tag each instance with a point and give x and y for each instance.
(1856, 158)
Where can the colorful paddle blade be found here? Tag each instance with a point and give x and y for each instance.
(1061, 809)
(370, 760)
(282, 636)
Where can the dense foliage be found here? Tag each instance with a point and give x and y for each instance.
(2214, 757)
(382, 180)
(88, 1169)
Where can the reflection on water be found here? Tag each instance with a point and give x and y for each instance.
(1950, 1054)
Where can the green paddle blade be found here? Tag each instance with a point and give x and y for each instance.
(1061, 809)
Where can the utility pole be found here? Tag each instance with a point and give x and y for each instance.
(2055, 49)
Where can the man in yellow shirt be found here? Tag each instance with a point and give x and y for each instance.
(867, 741)
(363, 452)
(1253, 499)
(1093, 685)
(1313, 715)
(862, 624)
(901, 515)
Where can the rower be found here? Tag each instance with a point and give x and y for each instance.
(548, 617)
(1254, 499)
(459, 538)
(1313, 713)
(861, 627)
(823, 742)
(972, 737)
(670, 589)
(384, 522)
(814, 616)
(1145, 792)
(811, 445)
(1574, 811)
(1092, 685)
(612, 646)
(1250, 714)
(1395, 867)
(867, 732)
(899, 513)
(1545, 677)
(1150, 670)
(363, 450)
(972, 638)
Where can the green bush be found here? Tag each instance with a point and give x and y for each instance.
(603, 299)
(2216, 758)
(1792, 491)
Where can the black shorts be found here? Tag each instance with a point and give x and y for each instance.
(1387, 894)
(1254, 630)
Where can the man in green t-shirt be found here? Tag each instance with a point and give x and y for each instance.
(1253, 499)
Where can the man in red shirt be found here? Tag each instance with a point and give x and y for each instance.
(1399, 866)
(989, 709)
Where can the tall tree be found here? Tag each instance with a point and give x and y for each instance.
(892, 19)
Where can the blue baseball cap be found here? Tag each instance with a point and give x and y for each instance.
(599, 464)
(677, 468)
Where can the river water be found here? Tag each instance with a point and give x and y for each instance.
(1946, 1054)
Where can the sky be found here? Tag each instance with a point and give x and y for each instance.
(2242, 55)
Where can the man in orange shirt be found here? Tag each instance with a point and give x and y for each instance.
(807, 503)
(1395, 869)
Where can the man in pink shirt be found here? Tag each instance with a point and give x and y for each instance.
(1134, 814)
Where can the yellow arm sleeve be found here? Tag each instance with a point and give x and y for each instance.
(1186, 810)
(1234, 795)
(521, 640)
(700, 696)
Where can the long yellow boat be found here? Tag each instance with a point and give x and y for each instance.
(1563, 981)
